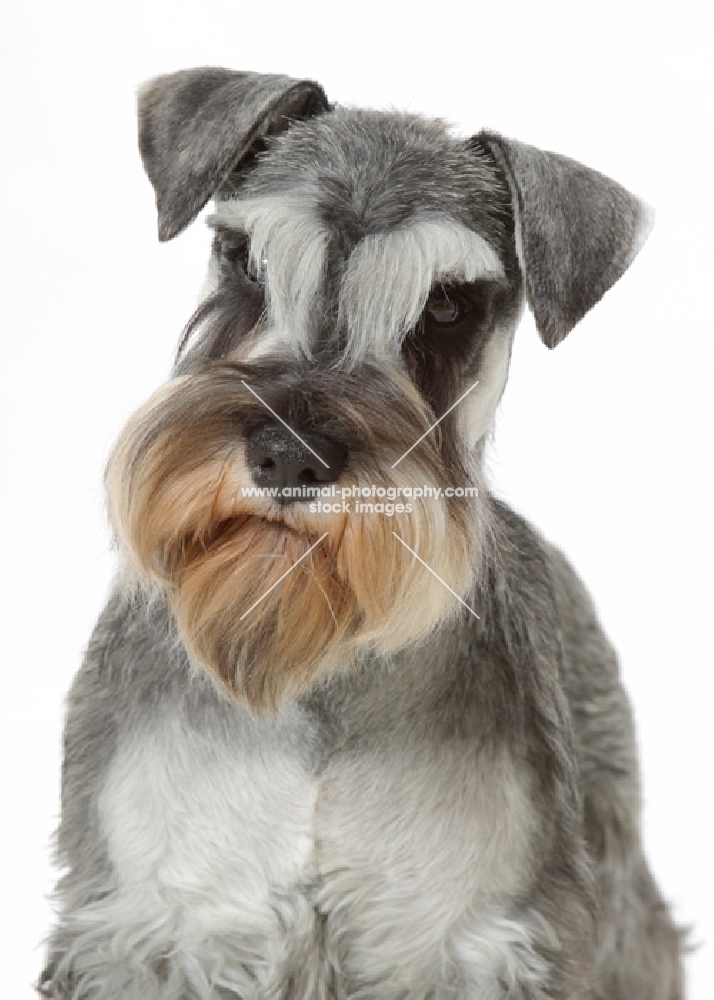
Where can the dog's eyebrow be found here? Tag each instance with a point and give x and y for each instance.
(288, 232)
(389, 277)
(217, 224)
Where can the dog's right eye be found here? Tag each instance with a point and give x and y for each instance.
(234, 250)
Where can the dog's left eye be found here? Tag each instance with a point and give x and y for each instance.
(445, 306)
(453, 316)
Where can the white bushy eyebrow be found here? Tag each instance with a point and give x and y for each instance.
(288, 237)
(389, 277)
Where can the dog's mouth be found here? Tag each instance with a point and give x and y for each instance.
(268, 595)
(227, 529)
(283, 527)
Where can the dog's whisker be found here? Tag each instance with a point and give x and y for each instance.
(370, 792)
(322, 590)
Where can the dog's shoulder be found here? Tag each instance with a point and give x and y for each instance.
(526, 556)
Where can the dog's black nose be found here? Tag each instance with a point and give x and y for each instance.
(278, 459)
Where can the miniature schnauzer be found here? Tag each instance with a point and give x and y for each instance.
(326, 749)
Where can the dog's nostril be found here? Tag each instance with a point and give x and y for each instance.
(278, 459)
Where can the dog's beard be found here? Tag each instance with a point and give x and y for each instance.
(264, 621)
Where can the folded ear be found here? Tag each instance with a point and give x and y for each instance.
(198, 125)
(577, 232)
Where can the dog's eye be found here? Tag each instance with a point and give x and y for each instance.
(453, 315)
(256, 271)
(233, 248)
(445, 307)
(449, 309)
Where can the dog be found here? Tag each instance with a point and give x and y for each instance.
(348, 726)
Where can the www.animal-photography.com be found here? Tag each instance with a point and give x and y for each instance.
(357, 549)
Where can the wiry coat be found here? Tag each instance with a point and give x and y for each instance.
(444, 806)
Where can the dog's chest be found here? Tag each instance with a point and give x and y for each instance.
(365, 867)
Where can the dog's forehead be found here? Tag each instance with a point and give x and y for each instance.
(358, 213)
(368, 172)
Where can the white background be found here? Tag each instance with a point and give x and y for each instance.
(605, 443)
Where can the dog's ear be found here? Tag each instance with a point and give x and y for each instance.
(577, 232)
(196, 126)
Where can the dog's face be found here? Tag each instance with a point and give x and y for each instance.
(368, 270)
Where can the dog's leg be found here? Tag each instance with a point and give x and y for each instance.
(638, 954)
(185, 835)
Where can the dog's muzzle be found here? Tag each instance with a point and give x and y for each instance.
(278, 458)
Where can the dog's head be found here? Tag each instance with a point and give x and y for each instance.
(368, 270)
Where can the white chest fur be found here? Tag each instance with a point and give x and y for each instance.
(260, 880)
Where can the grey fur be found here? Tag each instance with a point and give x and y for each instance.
(196, 126)
(579, 233)
(459, 819)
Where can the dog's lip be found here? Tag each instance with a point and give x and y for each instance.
(273, 517)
